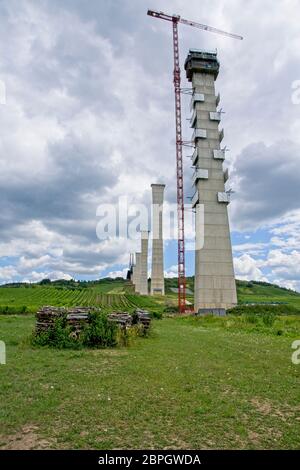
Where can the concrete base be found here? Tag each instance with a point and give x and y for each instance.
(219, 312)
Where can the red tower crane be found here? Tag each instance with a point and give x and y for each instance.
(175, 19)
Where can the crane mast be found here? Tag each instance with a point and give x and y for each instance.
(179, 172)
(175, 19)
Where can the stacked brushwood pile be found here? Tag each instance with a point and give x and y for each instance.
(143, 317)
(46, 318)
(75, 317)
(123, 319)
(139, 317)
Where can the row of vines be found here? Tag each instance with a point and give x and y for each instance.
(12, 299)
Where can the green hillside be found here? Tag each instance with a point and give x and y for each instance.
(119, 294)
(250, 292)
(255, 291)
(111, 294)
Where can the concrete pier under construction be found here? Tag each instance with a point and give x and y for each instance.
(214, 275)
(157, 269)
(144, 262)
(137, 273)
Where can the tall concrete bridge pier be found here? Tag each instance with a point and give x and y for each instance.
(137, 272)
(144, 262)
(215, 288)
(157, 269)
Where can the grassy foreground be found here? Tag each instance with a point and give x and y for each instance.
(192, 384)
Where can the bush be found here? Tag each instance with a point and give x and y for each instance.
(45, 282)
(125, 336)
(9, 310)
(250, 318)
(59, 336)
(100, 332)
(171, 309)
(268, 318)
(156, 315)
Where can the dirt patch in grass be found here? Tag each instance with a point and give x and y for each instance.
(26, 439)
(266, 407)
(175, 442)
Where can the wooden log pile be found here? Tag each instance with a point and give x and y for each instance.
(75, 317)
(123, 319)
(144, 318)
(46, 318)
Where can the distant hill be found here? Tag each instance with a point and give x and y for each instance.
(119, 293)
(251, 291)
(256, 291)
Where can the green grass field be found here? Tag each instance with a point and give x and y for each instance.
(192, 384)
(195, 383)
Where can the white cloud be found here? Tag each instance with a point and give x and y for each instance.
(53, 276)
(119, 273)
(172, 271)
(293, 285)
(246, 268)
(7, 273)
(286, 265)
(250, 248)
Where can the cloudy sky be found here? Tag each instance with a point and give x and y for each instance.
(89, 117)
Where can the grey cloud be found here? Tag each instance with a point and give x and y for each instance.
(66, 62)
(268, 183)
(77, 171)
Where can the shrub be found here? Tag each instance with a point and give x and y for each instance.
(100, 332)
(12, 310)
(59, 336)
(156, 315)
(268, 318)
(171, 309)
(45, 282)
(250, 318)
(124, 335)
